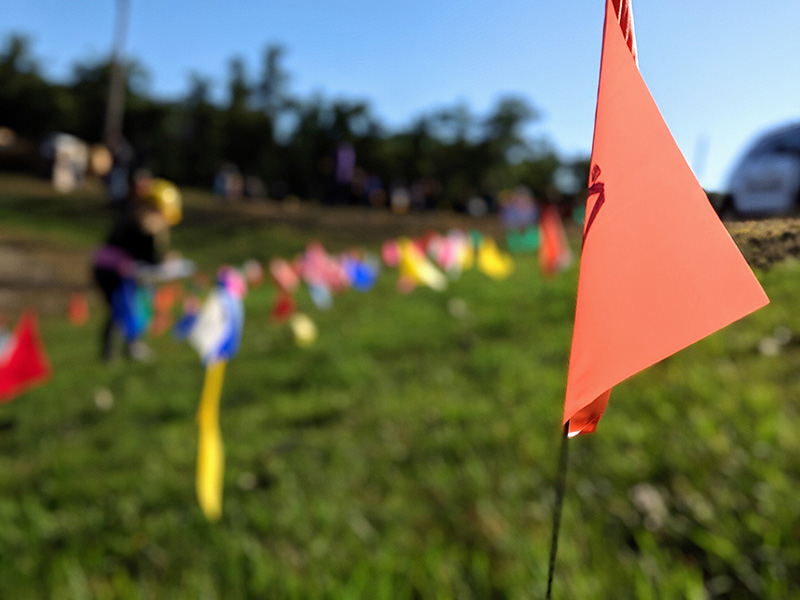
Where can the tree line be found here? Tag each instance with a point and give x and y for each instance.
(291, 144)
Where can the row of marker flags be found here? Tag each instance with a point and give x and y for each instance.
(214, 329)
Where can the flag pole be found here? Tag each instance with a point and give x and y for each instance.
(561, 483)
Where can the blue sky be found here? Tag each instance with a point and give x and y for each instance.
(720, 71)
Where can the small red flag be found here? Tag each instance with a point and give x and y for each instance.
(78, 312)
(23, 362)
(283, 307)
(164, 300)
(658, 271)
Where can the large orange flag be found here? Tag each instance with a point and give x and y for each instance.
(658, 271)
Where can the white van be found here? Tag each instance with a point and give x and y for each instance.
(766, 180)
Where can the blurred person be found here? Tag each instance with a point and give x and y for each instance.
(344, 172)
(373, 190)
(399, 200)
(519, 210)
(136, 253)
(67, 159)
(519, 214)
(228, 182)
(118, 177)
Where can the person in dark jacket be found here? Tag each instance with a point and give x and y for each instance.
(138, 242)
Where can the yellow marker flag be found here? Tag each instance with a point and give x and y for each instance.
(493, 262)
(415, 265)
(210, 452)
(304, 329)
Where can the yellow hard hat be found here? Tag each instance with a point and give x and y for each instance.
(166, 197)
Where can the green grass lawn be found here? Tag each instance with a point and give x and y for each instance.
(409, 453)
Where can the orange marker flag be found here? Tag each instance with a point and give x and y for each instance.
(78, 312)
(554, 252)
(658, 271)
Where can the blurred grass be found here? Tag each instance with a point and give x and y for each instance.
(409, 453)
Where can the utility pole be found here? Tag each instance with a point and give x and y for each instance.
(115, 109)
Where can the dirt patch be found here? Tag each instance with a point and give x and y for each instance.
(767, 242)
(39, 273)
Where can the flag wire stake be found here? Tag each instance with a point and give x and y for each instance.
(561, 484)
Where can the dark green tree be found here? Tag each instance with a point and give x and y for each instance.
(28, 104)
(199, 135)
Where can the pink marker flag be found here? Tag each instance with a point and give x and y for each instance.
(658, 270)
